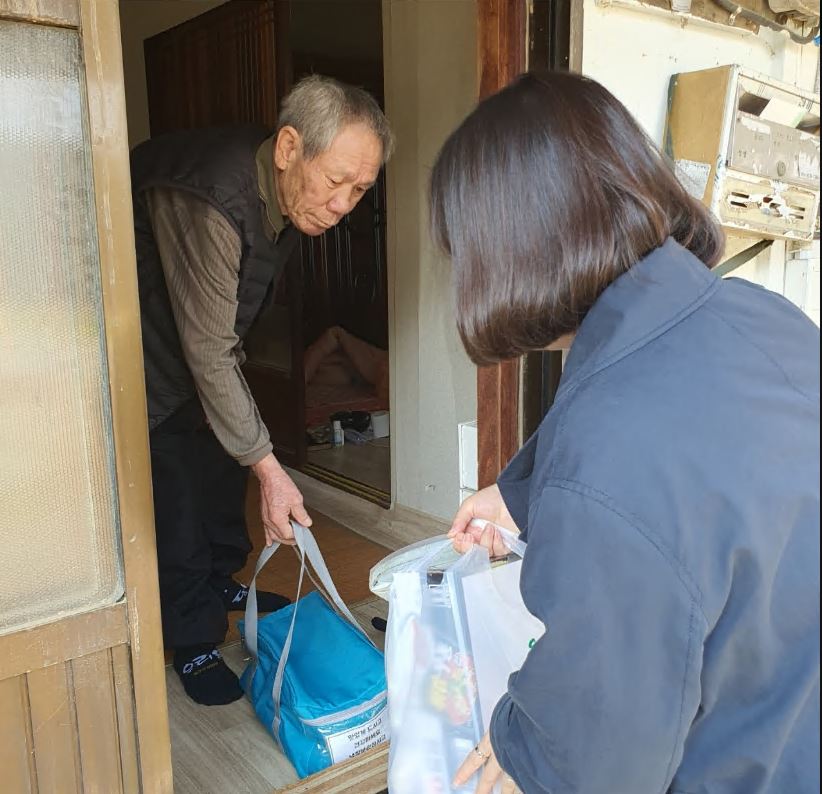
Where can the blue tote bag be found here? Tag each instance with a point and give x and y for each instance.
(316, 680)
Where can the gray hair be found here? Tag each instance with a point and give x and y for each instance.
(319, 107)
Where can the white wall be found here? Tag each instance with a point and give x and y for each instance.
(634, 52)
(431, 84)
(139, 20)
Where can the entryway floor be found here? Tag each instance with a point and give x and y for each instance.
(368, 464)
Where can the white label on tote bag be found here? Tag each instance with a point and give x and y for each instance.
(356, 741)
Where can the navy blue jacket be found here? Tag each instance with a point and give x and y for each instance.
(670, 501)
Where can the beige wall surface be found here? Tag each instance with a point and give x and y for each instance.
(139, 20)
(431, 84)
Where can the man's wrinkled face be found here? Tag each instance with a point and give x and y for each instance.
(315, 194)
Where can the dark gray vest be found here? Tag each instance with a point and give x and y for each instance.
(219, 166)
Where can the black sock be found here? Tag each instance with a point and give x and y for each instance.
(206, 677)
(235, 597)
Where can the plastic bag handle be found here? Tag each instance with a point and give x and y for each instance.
(510, 539)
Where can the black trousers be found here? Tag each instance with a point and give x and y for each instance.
(199, 512)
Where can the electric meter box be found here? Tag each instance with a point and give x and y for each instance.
(748, 147)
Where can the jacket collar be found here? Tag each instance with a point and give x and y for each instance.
(659, 291)
(272, 217)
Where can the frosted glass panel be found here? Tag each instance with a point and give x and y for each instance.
(59, 548)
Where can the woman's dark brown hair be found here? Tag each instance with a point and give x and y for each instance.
(543, 196)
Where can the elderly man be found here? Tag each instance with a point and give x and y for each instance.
(217, 215)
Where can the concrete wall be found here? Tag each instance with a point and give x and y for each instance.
(633, 51)
(431, 84)
(139, 20)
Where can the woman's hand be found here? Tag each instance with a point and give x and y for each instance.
(482, 757)
(486, 505)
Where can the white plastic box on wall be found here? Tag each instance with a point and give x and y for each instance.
(802, 279)
(468, 459)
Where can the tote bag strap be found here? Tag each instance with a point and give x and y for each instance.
(251, 615)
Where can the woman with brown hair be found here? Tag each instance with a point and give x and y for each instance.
(670, 498)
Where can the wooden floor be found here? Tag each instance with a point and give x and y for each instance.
(369, 464)
(225, 749)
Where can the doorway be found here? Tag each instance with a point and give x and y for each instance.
(316, 350)
(432, 82)
(430, 55)
(319, 351)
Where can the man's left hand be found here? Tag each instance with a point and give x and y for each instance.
(482, 757)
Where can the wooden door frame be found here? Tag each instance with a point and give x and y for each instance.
(502, 35)
(103, 56)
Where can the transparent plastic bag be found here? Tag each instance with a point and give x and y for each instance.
(432, 554)
(445, 611)
(501, 630)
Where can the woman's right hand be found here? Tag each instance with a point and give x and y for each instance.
(486, 505)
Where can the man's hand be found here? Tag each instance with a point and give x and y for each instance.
(488, 505)
(280, 500)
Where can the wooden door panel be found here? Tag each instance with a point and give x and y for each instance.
(344, 274)
(215, 69)
(126, 723)
(279, 406)
(65, 727)
(274, 369)
(82, 697)
(16, 756)
(53, 729)
(96, 708)
(48, 12)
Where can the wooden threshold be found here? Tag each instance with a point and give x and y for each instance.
(392, 528)
(348, 485)
(365, 774)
